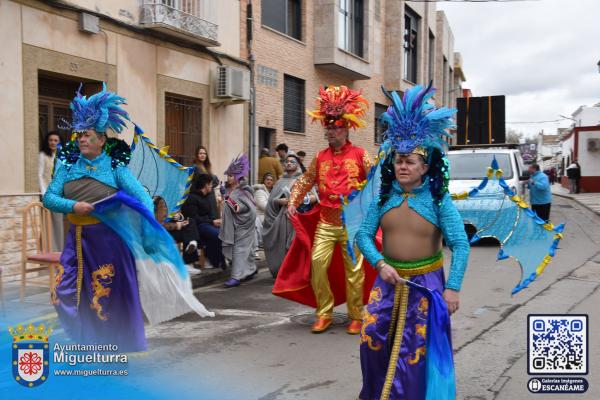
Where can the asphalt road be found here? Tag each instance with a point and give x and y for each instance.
(259, 346)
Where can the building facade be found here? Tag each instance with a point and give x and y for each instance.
(582, 144)
(299, 45)
(162, 56)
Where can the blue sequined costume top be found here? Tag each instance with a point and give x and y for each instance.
(100, 169)
(444, 217)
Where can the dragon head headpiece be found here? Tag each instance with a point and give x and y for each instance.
(341, 107)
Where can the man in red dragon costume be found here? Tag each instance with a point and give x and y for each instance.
(319, 271)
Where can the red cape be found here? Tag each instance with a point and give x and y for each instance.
(293, 279)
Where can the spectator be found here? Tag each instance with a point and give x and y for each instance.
(202, 211)
(261, 195)
(539, 192)
(552, 175)
(269, 165)
(239, 223)
(181, 230)
(301, 155)
(574, 175)
(282, 152)
(50, 145)
(203, 166)
(278, 231)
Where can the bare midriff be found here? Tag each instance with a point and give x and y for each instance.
(407, 236)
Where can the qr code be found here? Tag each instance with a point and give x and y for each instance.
(557, 344)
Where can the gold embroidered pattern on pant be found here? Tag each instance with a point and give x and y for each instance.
(58, 279)
(369, 319)
(101, 277)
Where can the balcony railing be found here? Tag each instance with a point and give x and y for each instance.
(181, 17)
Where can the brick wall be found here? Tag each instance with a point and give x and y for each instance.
(286, 55)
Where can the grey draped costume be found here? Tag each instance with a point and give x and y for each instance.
(278, 232)
(238, 234)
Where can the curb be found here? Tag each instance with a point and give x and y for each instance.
(216, 275)
(565, 196)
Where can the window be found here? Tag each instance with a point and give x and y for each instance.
(350, 26)
(411, 34)
(293, 104)
(283, 16)
(431, 56)
(183, 126)
(379, 126)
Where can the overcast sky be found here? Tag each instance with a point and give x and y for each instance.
(541, 54)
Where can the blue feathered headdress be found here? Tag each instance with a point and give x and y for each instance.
(413, 124)
(99, 112)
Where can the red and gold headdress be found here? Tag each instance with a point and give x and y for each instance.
(340, 106)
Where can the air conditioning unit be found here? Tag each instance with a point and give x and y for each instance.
(232, 83)
(593, 145)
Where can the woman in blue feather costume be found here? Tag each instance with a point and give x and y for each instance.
(117, 259)
(405, 340)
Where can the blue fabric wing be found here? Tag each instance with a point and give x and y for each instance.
(356, 204)
(159, 173)
(497, 212)
(135, 224)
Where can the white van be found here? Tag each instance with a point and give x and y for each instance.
(469, 164)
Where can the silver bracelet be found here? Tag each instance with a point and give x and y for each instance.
(380, 267)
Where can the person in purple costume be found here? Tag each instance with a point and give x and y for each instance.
(414, 211)
(96, 296)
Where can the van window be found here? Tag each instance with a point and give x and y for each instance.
(474, 165)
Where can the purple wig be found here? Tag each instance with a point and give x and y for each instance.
(239, 167)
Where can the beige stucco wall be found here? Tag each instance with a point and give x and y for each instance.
(55, 32)
(129, 62)
(136, 74)
(228, 135)
(182, 66)
(127, 11)
(11, 100)
(227, 15)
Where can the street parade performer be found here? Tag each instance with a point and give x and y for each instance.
(315, 271)
(278, 232)
(238, 223)
(117, 258)
(406, 321)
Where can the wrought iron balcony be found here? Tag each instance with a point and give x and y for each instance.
(182, 18)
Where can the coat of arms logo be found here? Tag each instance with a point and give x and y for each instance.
(30, 354)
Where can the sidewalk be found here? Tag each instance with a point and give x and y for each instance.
(215, 275)
(590, 201)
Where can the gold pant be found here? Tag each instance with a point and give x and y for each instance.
(326, 237)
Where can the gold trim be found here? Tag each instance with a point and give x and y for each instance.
(82, 219)
(79, 249)
(402, 292)
(434, 266)
(394, 313)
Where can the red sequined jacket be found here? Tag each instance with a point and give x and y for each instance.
(334, 173)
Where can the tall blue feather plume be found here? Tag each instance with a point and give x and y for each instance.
(100, 111)
(413, 122)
